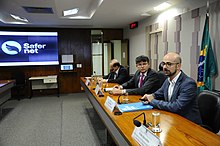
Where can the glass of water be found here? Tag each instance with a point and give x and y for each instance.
(125, 98)
(156, 121)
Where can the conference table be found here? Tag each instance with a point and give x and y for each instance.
(176, 130)
(5, 90)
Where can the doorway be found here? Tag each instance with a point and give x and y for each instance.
(156, 49)
(104, 51)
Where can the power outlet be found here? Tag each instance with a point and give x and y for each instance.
(79, 65)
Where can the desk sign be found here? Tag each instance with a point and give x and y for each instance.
(97, 89)
(110, 104)
(145, 137)
(87, 82)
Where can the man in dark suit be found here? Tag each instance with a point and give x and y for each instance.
(145, 80)
(161, 75)
(118, 74)
(178, 92)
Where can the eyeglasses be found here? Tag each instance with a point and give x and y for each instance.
(168, 64)
(142, 64)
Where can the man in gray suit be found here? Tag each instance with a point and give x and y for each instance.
(178, 93)
(145, 80)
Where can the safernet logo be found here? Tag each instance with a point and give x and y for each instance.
(11, 47)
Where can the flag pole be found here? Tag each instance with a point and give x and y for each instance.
(207, 9)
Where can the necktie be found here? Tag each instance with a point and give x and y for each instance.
(141, 80)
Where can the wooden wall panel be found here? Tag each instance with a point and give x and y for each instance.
(112, 34)
(77, 42)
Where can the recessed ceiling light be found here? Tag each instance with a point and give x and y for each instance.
(19, 18)
(70, 12)
(162, 6)
(145, 14)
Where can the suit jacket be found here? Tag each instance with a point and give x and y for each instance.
(183, 100)
(150, 84)
(121, 77)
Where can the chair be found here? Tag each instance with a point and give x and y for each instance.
(162, 77)
(209, 107)
(20, 83)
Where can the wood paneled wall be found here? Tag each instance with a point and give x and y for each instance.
(70, 41)
(77, 42)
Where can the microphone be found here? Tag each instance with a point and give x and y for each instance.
(119, 99)
(138, 123)
(108, 78)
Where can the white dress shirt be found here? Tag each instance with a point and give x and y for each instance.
(171, 86)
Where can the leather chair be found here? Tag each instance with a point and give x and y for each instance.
(20, 84)
(209, 107)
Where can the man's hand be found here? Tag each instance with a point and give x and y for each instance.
(150, 97)
(116, 91)
(117, 87)
(104, 80)
(147, 98)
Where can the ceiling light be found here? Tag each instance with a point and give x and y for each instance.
(70, 12)
(162, 6)
(19, 18)
(145, 14)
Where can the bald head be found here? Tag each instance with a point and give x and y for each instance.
(114, 64)
(171, 64)
(114, 61)
(172, 57)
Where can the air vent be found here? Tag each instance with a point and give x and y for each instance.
(38, 10)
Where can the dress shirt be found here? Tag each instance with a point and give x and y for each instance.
(171, 86)
(116, 73)
(143, 75)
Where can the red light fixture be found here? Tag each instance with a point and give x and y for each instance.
(133, 25)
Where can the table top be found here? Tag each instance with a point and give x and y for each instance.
(176, 130)
(43, 77)
(5, 82)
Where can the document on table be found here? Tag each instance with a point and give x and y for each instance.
(134, 107)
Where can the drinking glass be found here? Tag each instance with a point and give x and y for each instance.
(125, 98)
(156, 121)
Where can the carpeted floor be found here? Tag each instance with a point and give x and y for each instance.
(51, 121)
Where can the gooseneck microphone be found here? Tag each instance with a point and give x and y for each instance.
(138, 123)
(119, 102)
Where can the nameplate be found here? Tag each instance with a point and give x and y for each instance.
(97, 89)
(110, 104)
(87, 82)
(145, 137)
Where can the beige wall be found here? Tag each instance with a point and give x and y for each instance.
(190, 36)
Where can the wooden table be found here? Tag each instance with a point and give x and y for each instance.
(5, 90)
(44, 83)
(176, 130)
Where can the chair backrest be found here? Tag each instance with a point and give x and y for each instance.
(19, 76)
(162, 77)
(209, 107)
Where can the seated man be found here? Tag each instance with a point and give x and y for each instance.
(178, 92)
(162, 76)
(118, 74)
(145, 80)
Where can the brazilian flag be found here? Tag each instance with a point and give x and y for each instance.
(206, 66)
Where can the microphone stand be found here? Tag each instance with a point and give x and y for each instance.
(137, 123)
(119, 99)
(108, 78)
